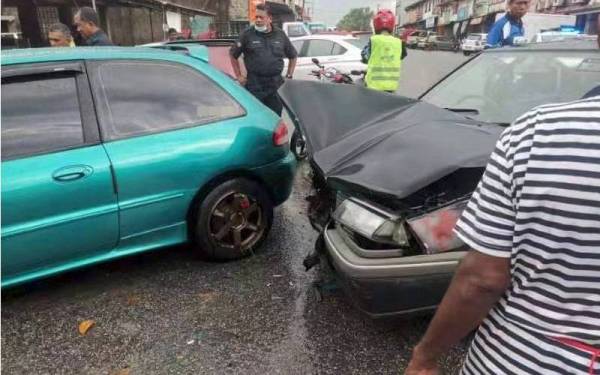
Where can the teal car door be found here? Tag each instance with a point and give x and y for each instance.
(59, 207)
(168, 129)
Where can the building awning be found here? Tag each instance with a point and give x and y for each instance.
(585, 11)
(476, 21)
(160, 4)
(193, 9)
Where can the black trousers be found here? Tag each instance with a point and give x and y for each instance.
(272, 101)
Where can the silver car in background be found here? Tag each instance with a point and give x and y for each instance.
(473, 43)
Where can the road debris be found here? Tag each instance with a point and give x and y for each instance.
(85, 326)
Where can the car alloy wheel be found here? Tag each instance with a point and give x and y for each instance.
(232, 220)
(237, 222)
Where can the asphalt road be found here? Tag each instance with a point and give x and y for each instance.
(167, 312)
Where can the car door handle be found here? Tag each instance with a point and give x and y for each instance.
(72, 173)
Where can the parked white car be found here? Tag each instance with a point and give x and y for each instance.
(473, 43)
(339, 51)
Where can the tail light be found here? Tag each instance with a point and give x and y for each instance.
(280, 135)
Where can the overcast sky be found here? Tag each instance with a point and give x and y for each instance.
(331, 11)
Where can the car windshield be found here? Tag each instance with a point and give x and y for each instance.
(498, 87)
(296, 31)
(474, 37)
(317, 28)
(356, 42)
(364, 38)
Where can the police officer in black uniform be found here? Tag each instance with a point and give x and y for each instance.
(264, 48)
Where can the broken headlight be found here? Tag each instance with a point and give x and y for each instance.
(371, 222)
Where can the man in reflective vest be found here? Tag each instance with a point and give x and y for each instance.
(384, 54)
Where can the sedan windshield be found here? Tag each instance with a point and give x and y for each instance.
(498, 87)
(356, 42)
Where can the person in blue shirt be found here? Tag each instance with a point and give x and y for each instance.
(510, 26)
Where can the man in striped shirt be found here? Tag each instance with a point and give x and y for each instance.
(532, 281)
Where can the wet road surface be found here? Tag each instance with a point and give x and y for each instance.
(168, 312)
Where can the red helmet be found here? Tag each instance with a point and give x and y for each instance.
(384, 20)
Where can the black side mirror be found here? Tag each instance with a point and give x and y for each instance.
(316, 61)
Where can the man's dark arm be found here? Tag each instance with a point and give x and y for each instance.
(292, 55)
(234, 54)
(477, 286)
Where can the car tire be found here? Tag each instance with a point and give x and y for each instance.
(466, 53)
(233, 220)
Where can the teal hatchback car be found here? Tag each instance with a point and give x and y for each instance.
(108, 152)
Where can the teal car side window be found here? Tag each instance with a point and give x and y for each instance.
(40, 114)
(144, 97)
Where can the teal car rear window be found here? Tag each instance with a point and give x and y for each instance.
(146, 97)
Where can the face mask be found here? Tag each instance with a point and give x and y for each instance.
(261, 29)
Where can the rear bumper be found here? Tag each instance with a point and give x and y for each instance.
(383, 287)
(279, 177)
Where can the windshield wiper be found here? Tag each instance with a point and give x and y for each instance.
(464, 110)
(475, 112)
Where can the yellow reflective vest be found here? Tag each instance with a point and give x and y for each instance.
(385, 62)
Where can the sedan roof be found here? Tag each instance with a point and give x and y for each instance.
(332, 37)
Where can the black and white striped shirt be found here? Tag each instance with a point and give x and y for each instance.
(538, 204)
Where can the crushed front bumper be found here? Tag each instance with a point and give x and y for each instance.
(396, 286)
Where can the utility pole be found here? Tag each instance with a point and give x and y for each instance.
(303, 4)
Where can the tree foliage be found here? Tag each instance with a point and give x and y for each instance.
(357, 19)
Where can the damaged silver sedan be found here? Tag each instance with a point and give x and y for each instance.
(392, 175)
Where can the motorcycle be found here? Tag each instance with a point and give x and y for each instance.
(332, 75)
(361, 74)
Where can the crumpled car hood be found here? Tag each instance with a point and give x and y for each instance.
(384, 143)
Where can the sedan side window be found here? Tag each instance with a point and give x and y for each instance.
(338, 49)
(319, 47)
(298, 46)
(40, 115)
(145, 98)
